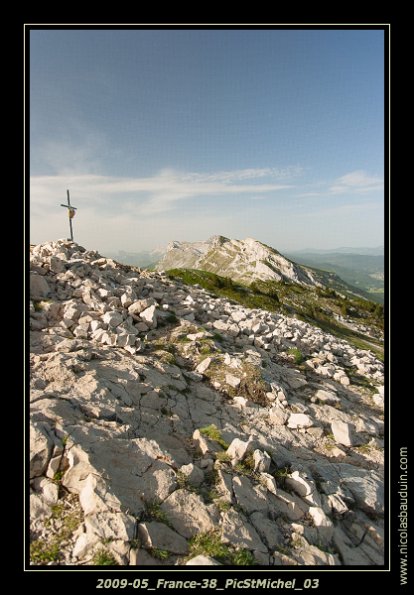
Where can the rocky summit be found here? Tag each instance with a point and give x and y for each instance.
(171, 427)
(242, 260)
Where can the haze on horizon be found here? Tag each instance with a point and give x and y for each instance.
(165, 135)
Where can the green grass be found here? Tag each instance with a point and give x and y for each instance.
(281, 475)
(104, 558)
(297, 355)
(314, 305)
(246, 467)
(154, 512)
(42, 552)
(159, 554)
(223, 457)
(210, 544)
(38, 306)
(214, 433)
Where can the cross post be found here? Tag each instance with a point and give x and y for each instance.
(71, 213)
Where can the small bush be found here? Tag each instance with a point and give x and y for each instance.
(104, 558)
(159, 554)
(214, 433)
(41, 552)
(297, 355)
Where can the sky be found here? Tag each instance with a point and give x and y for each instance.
(164, 135)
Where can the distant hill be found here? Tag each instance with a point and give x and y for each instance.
(363, 271)
(245, 261)
(367, 251)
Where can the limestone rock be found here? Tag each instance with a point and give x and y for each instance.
(194, 475)
(261, 461)
(267, 529)
(299, 420)
(232, 381)
(41, 445)
(204, 365)
(149, 316)
(343, 433)
(111, 525)
(238, 449)
(188, 514)
(250, 498)
(157, 535)
(202, 560)
(237, 531)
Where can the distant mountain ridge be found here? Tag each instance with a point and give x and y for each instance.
(363, 271)
(244, 261)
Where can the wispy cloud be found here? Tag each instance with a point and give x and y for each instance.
(247, 174)
(356, 182)
(147, 195)
(351, 184)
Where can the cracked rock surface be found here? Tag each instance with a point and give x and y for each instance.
(171, 427)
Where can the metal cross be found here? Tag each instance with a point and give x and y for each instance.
(71, 214)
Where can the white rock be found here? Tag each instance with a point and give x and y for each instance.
(250, 498)
(204, 365)
(261, 461)
(322, 523)
(112, 319)
(238, 449)
(194, 475)
(149, 316)
(139, 306)
(232, 380)
(304, 487)
(157, 535)
(188, 514)
(267, 530)
(84, 543)
(41, 444)
(110, 525)
(237, 531)
(269, 482)
(299, 420)
(327, 396)
(202, 560)
(343, 433)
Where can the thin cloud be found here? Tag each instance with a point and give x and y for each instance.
(143, 196)
(356, 182)
(247, 174)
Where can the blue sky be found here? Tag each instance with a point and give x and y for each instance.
(179, 135)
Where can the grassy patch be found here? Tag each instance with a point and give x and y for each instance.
(312, 304)
(252, 386)
(154, 512)
(42, 552)
(297, 355)
(246, 467)
(210, 544)
(104, 558)
(214, 433)
(159, 554)
(38, 306)
(243, 558)
(281, 474)
(223, 457)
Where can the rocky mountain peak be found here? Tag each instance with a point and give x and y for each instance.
(242, 260)
(172, 427)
